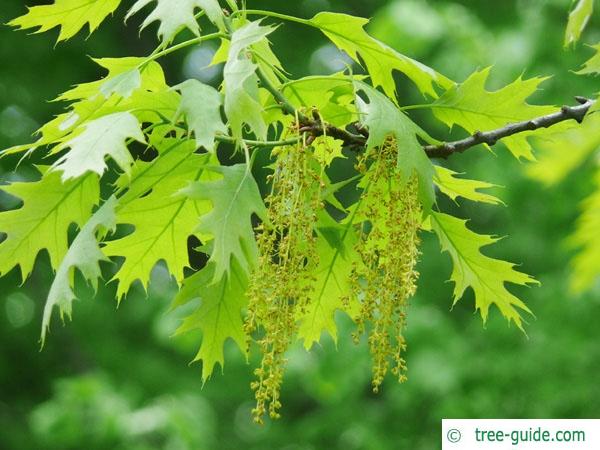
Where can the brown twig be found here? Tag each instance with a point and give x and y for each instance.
(576, 113)
(315, 127)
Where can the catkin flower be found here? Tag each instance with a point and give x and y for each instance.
(385, 279)
(280, 288)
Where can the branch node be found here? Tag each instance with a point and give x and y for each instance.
(484, 138)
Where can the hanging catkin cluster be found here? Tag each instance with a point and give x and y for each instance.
(281, 286)
(388, 245)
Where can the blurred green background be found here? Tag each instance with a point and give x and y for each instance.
(115, 379)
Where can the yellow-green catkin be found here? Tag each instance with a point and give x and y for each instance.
(385, 279)
(281, 286)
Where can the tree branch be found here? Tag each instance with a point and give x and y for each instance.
(491, 137)
(315, 127)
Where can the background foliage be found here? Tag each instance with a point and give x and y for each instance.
(116, 379)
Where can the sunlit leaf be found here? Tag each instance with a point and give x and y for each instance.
(347, 33)
(125, 75)
(384, 119)
(85, 255)
(70, 15)
(201, 106)
(472, 269)
(332, 285)
(234, 198)
(174, 15)
(592, 66)
(218, 315)
(162, 220)
(153, 99)
(471, 106)
(332, 97)
(326, 149)
(49, 208)
(102, 137)
(242, 103)
(450, 184)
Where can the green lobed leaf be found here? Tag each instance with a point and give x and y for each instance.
(242, 102)
(99, 138)
(70, 15)
(451, 185)
(85, 255)
(384, 119)
(267, 61)
(486, 276)
(221, 54)
(326, 149)
(336, 255)
(332, 97)
(162, 218)
(147, 175)
(348, 34)
(474, 108)
(152, 101)
(125, 75)
(122, 84)
(234, 198)
(578, 19)
(174, 15)
(218, 316)
(201, 106)
(592, 66)
(49, 208)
